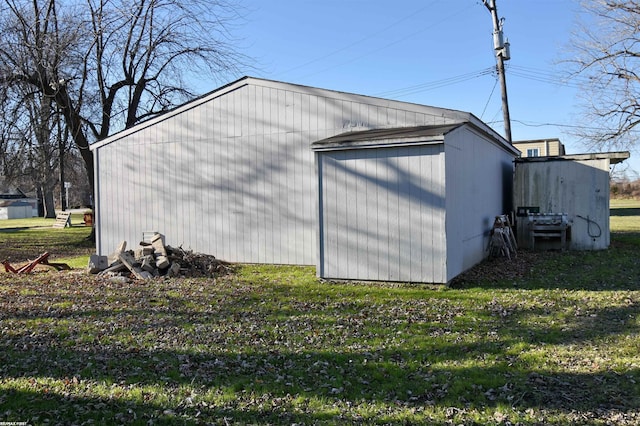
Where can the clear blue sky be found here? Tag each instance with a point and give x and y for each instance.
(431, 52)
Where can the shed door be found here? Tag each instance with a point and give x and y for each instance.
(382, 214)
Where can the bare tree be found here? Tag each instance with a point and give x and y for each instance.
(108, 64)
(29, 154)
(30, 44)
(42, 153)
(606, 59)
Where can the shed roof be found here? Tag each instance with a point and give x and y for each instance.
(12, 194)
(13, 203)
(613, 157)
(385, 137)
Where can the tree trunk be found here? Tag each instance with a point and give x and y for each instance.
(74, 124)
(49, 204)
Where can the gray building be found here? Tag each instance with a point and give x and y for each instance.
(16, 209)
(575, 186)
(233, 174)
(15, 204)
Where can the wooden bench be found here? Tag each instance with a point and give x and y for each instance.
(63, 219)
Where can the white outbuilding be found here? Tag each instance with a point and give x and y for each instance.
(15, 209)
(567, 197)
(261, 171)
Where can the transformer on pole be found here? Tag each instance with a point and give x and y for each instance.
(503, 54)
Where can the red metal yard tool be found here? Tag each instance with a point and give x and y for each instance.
(43, 259)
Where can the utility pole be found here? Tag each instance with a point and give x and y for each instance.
(502, 54)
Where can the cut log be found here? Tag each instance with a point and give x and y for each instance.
(97, 263)
(174, 270)
(117, 266)
(113, 257)
(157, 242)
(130, 263)
(142, 252)
(148, 264)
(153, 258)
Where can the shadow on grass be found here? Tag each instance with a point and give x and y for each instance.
(254, 352)
(276, 387)
(37, 406)
(208, 382)
(625, 212)
(614, 269)
(9, 230)
(400, 378)
(22, 244)
(54, 407)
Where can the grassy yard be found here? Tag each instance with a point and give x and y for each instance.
(556, 343)
(24, 239)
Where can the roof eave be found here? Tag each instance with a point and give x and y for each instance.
(235, 85)
(613, 157)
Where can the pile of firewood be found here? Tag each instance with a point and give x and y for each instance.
(154, 259)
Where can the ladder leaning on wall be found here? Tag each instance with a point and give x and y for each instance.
(503, 242)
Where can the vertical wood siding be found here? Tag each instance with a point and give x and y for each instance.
(571, 187)
(477, 185)
(234, 176)
(383, 214)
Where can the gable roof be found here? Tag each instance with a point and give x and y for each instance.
(13, 194)
(454, 115)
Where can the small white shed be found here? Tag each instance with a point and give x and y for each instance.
(233, 174)
(15, 209)
(575, 185)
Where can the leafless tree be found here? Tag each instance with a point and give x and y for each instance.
(29, 154)
(606, 59)
(32, 42)
(108, 64)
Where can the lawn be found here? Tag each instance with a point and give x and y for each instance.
(555, 343)
(24, 239)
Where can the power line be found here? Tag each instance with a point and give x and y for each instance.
(534, 124)
(545, 76)
(540, 75)
(355, 43)
(386, 46)
(489, 100)
(437, 84)
(547, 124)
